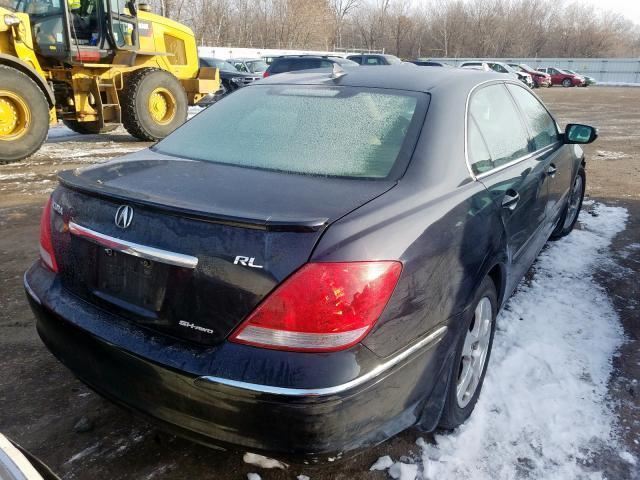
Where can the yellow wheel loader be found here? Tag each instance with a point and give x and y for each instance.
(94, 64)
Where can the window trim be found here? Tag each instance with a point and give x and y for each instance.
(529, 155)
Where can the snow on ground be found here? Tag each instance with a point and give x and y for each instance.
(543, 411)
(607, 155)
(261, 461)
(618, 84)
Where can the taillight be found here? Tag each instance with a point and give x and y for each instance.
(322, 307)
(46, 246)
(265, 74)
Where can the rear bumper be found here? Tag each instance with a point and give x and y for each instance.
(181, 388)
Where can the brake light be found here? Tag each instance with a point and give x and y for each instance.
(322, 307)
(265, 74)
(46, 245)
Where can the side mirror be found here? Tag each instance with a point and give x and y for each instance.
(577, 133)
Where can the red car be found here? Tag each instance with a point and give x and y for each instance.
(540, 79)
(564, 78)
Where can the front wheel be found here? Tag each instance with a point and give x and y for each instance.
(153, 104)
(566, 82)
(571, 211)
(24, 115)
(471, 357)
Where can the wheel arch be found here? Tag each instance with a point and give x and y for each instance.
(497, 273)
(24, 67)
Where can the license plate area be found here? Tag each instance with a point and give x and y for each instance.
(130, 282)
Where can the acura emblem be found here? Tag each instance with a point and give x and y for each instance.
(124, 216)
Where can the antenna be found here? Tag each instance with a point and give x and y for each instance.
(337, 71)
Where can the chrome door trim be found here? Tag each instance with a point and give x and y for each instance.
(134, 249)
(428, 341)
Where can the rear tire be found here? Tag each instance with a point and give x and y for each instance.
(24, 115)
(88, 128)
(153, 104)
(572, 210)
(471, 357)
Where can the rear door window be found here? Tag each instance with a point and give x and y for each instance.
(542, 126)
(498, 121)
(331, 131)
(280, 66)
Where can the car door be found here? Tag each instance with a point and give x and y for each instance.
(499, 152)
(546, 138)
(556, 76)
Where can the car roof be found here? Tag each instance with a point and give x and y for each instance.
(398, 77)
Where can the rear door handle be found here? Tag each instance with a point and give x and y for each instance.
(551, 170)
(510, 199)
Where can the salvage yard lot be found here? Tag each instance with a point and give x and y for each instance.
(561, 398)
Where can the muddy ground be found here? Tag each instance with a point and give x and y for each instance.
(40, 401)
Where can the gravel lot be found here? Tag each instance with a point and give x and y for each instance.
(41, 403)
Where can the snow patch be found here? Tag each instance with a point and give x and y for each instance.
(382, 463)
(543, 409)
(253, 476)
(606, 155)
(264, 462)
(84, 453)
(302, 477)
(628, 457)
(403, 471)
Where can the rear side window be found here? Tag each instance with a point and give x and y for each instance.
(306, 64)
(279, 66)
(541, 125)
(499, 123)
(357, 59)
(332, 131)
(373, 61)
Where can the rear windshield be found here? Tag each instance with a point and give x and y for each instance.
(331, 131)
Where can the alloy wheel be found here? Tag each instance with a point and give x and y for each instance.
(474, 352)
(574, 202)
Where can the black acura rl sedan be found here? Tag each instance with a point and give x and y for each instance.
(312, 264)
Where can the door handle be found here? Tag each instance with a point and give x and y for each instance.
(510, 199)
(551, 170)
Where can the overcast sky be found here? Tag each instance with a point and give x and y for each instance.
(629, 8)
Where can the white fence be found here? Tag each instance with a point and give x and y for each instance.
(609, 70)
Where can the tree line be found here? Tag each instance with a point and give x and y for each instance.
(432, 28)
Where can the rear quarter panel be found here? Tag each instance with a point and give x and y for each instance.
(439, 222)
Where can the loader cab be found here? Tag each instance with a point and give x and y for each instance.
(80, 31)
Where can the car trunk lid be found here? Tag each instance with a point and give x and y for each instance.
(206, 242)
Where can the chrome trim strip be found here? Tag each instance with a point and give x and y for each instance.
(29, 290)
(135, 249)
(430, 340)
(542, 151)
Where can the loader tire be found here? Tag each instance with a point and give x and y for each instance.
(153, 104)
(24, 115)
(88, 128)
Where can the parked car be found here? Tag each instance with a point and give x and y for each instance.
(429, 63)
(502, 67)
(498, 67)
(230, 79)
(540, 79)
(587, 80)
(313, 264)
(564, 78)
(16, 463)
(292, 63)
(249, 65)
(371, 59)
